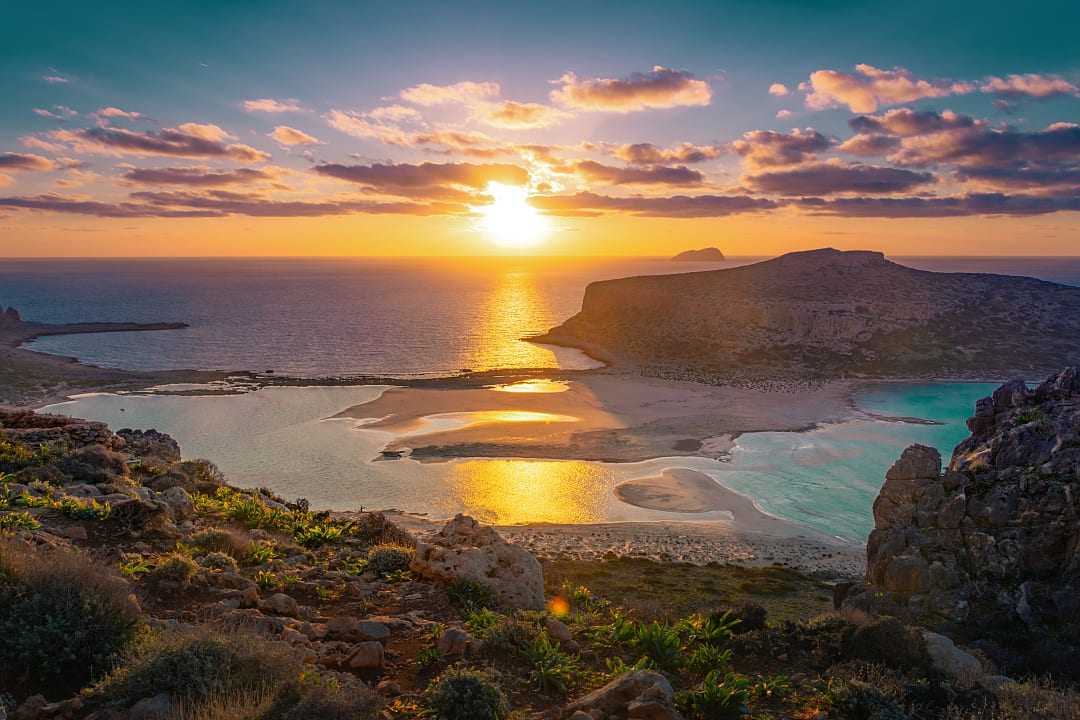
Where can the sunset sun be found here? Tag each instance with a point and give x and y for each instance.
(510, 220)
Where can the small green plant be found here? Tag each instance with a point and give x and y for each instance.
(464, 694)
(20, 520)
(774, 686)
(398, 576)
(718, 697)
(135, 567)
(708, 658)
(470, 594)
(260, 553)
(83, 509)
(553, 669)
(712, 629)
(479, 622)
(660, 643)
(429, 657)
(617, 666)
(266, 580)
(314, 536)
(219, 561)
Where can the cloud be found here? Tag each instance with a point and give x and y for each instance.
(783, 114)
(289, 136)
(649, 154)
(55, 78)
(513, 115)
(868, 87)
(270, 105)
(390, 177)
(187, 140)
(1023, 175)
(199, 176)
(906, 122)
(679, 206)
(652, 175)
(444, 141)
(934, 207)
(78, 206)
(658, 89)
(767, 147)
(984, 146)
(778, 90)
(869, 145)
(1030, 85)
(837, 176)
(394, 113)
(466, 92)
(115, 112)
(25, 161)
(59, 112)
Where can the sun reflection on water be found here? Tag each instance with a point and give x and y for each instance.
(534, 387)
(519, 491)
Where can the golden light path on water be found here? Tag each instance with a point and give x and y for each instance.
(534, 387)
(519, 491)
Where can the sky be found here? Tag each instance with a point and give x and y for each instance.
(578, 128)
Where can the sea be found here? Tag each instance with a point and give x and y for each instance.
(317, 317)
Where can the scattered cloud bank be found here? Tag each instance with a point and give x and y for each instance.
(289, 136)
(271, 105)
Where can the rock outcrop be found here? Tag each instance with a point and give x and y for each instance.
(709, 254)
(828, 313)
(464, 549)
(989, 549)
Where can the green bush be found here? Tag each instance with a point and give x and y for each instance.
(386, 559)
(464, 694)
(553, 669)
(20, 520)
(63, 619)
(197, 665)
(174, 568)
(661, 643)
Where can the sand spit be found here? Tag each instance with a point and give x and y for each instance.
(618, 417)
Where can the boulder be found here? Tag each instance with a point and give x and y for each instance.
(454, 641)
(150, 446)
(950, 660)
(280, 604)
(158, 707)
(644, 693)
(367, 656)
(181, 506)
(94, 464)
(988, 549)
(464, 549)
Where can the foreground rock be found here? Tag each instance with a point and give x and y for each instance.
(465, 550)
(989, 549)
(637, 695)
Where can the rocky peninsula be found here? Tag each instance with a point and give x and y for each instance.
(709, 254)
(827, 314)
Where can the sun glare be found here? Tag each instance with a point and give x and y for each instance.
(510, 220)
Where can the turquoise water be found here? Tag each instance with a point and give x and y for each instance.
(828, 478)
(280, 438)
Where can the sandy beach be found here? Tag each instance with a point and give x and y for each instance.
(600, 415)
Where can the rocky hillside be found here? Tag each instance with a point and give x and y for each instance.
(990, 549)
(135, 585)
(828, 313)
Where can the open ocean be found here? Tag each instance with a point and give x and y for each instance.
(348, 316)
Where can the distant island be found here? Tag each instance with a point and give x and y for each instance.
(709, 254)
(827, 314)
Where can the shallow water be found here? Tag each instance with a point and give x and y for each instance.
(279, 438)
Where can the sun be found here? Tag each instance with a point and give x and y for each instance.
(510, 220)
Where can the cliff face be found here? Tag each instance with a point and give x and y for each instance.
(831, 313)
(992, 546)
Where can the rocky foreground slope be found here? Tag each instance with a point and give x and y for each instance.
(135, 585)
(828, 313)
(989, 550)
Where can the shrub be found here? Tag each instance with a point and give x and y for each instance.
(714, 629)
(261, 553)
(470, 594)
(20, 520)
(552, 669)
(708, 658)
(197, 665)
(340, 697)
(63, 619)
(218, 561)
(174, 568)
(718, 697)
(385, 559)
(751, 616)
(858, 701)
(464, 694)
(231, 542)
